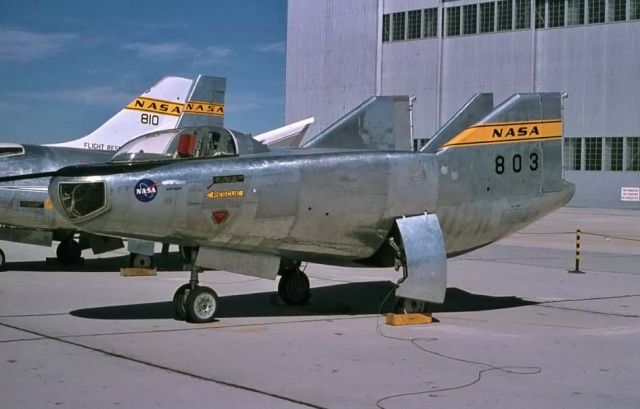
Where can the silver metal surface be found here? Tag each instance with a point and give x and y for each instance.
(143, 247)
(472, 112)
(525, 107)
(257, 265)
(379, 123)
(27, 236)
(339, 206)
(35, 160)
(426, 260)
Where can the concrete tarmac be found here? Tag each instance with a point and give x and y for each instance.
(516, 330)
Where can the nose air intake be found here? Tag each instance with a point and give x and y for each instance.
(81, 200)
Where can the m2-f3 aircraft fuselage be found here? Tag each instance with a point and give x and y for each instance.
(259, 212)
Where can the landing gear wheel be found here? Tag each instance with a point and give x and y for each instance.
(293, 288)
(140, 261)
(409, 306)
(68, 252)
(179, 301)
(3, 260)
(201, 304)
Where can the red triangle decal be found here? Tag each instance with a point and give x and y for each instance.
(219, 216)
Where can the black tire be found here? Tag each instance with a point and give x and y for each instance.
(140, 261)
(3, 260)
(294, 287)
(201, 305)
(179, 301)
(68, 252)
(409, 306)
(185, 253)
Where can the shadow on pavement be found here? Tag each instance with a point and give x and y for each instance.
(342, 299)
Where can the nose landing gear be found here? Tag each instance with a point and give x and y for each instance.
(68, 251)
(192, 302)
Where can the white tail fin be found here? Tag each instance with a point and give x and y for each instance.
(156, 109)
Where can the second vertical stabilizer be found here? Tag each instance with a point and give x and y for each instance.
(379, 123)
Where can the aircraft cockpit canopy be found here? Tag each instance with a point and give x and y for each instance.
(175, 144)
(185, 143)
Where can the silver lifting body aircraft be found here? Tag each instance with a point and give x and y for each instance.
(26, 213)
(347, 197)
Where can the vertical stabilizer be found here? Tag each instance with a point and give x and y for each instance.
(473, 111)
(205, 103)
(502, 172)
(379, 123)
(156, 109)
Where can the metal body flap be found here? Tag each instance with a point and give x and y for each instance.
(425, 259)
(252, 264)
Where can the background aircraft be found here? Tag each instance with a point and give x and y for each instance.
(26, 213)
(348, 198)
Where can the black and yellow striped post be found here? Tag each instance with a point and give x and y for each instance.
(577, 269)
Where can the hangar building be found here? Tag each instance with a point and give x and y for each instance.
(340, 52)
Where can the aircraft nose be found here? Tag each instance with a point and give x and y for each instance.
(78, 200)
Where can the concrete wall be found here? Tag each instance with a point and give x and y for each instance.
(599, 66)
(331, 55)
(602, 189)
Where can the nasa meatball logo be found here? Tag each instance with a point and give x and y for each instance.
(145, 190)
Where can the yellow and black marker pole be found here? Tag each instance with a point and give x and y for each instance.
(577, 269)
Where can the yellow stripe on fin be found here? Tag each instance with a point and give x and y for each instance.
(507, 132)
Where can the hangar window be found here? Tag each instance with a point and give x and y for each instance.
(540, 14)
(634, 9)
(398, 26)
(523, 14)
(596, 11)
(572, 153)
(633, 154)
(470, 19)
(556, 13)
(617, 10)
(487, 17)
(453, 21)
(415, 17)
(592, 153)
(419, 143)
(575, 12)
(385, 28)
(431, 22)
(613, 153)
(505, 15)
